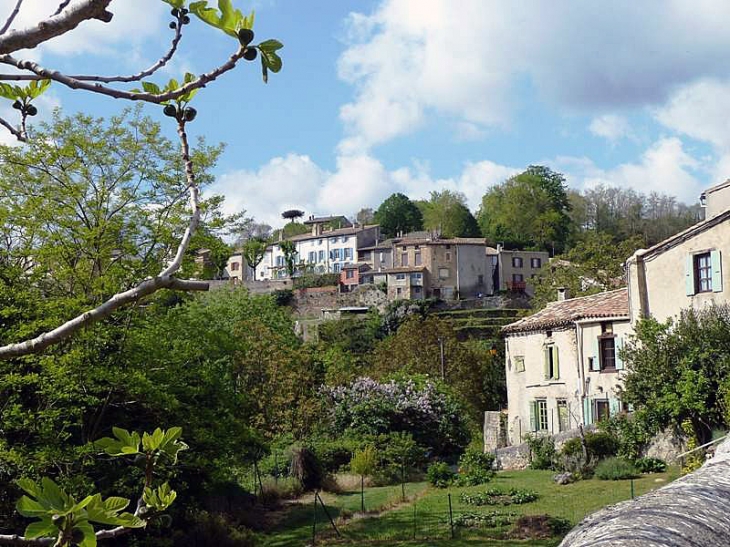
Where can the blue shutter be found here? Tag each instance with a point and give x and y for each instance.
(619, 348)
(689, 276)
(587, 414)
(614, 407)
(556, 363)
(546, 357)
(533, 416)
(716, 271)
(596, 356)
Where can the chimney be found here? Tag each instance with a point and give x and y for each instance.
(563, 294)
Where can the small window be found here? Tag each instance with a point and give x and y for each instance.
(417, 290)
(608, 353)
(703, 272)
(443, 273)
(234, 266)
(336, 268)
(404, 259)
(350, 274)
(447, 257)
(348, 253)
(535, 263)
(400, 277)
(398, 291)
(480, 280)
(519, 364)
(552, 365)
(518, 278)
(539, 415)
(321, 256)
(516, 262)
(563, 415)
(417, 257)
(319, 242)
(603, 411)
(344, 239)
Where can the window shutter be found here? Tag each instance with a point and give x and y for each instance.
(689, 276)
(546, 356)
(587, 418)
(556, 363)
(619, 348)
(533, 416)
(614, 407)
(596, 356)
(716, 271)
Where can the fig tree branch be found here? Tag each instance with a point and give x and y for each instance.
(55, 25)
(62, 6)
(16, 133)
(15, 539)
(11, 17)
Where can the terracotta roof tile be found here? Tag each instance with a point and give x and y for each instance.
(556, 314)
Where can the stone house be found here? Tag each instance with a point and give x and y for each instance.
(563, 365)
(513, 269)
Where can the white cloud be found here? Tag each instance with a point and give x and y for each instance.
(665, 167)
(410, 59)
(611, 127)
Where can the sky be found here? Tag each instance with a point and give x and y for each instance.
(415, 96)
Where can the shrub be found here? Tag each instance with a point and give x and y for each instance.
(364, 462)
(306, 468)
(484, 520)
(440, 475)
(333, 454)
(284, 488)
(212, 530)
(495, 496)
(542, 451)
(650, 465)
(615, 469)
(308, 280)
(475, 467)
(600, 445)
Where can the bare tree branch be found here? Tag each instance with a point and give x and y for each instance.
(20, 540)
(55, 26)
(97, 87)
(17, 134)
(11, 17)
(62, 6)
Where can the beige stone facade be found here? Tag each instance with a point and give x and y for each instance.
(515, 269)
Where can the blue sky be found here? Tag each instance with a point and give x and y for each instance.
(421, 95)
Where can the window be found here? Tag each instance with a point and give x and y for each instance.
(563, 415)
(416, 290)
(398, 291)
(608, 353)
(535, 263)
(344, 239)
(417, 260)
(404, 259)
(348, 253)
(319, 242)
(539, 415)
(552, 365)
(480, 280)
(312, 256)
(703, 273)
(321, 256)
(400, 277)
(336, 268)
(602, 411)
(518, 278)
(519, 364)
(516, 262)
(443, 273)
(333, 240)
(447, 257)
(234, 266)
(336, 254)
(350, 274)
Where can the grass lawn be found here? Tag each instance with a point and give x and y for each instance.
(426, 514)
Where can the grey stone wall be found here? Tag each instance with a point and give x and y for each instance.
(693, 511)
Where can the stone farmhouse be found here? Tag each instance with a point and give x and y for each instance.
(563, 364)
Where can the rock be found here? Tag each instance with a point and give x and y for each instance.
(564, 478)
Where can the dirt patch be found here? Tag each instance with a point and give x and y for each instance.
(538, 527)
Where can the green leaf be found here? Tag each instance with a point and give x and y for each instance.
(115, 503)
(272, 60)
(7, 91)
(31, 487)
(57, 498)
(264, 70)
(175, 3)
(41, 528)
(31, 508)
(149, 87)
(270, 45)
(89, 535)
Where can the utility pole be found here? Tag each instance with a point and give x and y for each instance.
(441, 348)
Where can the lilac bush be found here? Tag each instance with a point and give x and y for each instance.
(416, 405)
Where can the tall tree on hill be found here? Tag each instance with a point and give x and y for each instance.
(398, 214)
(254, 251)
(529, 210)
(447, 213)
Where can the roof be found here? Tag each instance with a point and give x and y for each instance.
(385, 244)
(684, 235)
(439, 241)
(715, 188)
(331, 233)
(356, 266)
(562, 313)
(404, 269)
(322, 220)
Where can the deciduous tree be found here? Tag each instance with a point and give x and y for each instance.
(398, 214)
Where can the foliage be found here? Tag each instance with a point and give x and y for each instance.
(365, 216)
(632, 431)
(600, 445)
(614, 469)
(446, 212)
(440, 475)
(495, 496)
(364, 461)
(253, 252)
(397, 312)
(470, 370)
(398, 214)
(650, 465)
(333, 454)
(594, 264)
(290, 229)
(528, 210)
(415, 405)
(494, 519)
(679, 371)
(205, 529)
(308, 280)
(475, 467)
(542, 451)
(289, 250)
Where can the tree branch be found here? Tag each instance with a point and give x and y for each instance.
(97, 87)
(55, 25)
(15, 539)
(11, 17)
(17, 134)
(62, 6)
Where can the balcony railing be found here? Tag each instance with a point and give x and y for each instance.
(516, 285)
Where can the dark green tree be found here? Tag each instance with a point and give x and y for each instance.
(446, 212)
(529, 210)
(398, 214)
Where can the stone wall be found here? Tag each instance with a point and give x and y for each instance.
(690, 512)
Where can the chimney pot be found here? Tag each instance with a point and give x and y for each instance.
(563, 294)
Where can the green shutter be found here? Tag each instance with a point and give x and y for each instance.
(587, 417)
(556, 363)
(596, 356)
(619, 348)
(533, 415)
(716, 271)
(689, 276)
(546, 356)
(614, 407)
